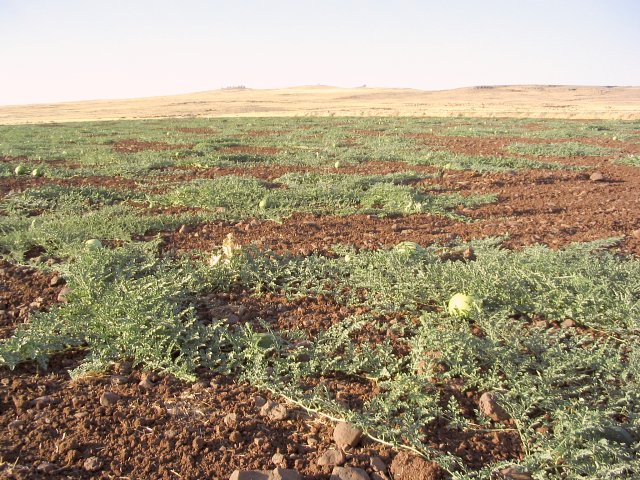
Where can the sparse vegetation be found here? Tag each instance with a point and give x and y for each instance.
(564, 149)
(400, 337)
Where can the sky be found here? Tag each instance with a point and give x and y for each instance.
(63, 50)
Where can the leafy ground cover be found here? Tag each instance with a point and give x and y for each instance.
(260, 280)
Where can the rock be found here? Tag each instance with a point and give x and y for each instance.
(92, 464)
(568, 323)
(235, 437)
(146, 383)
(250, 475)
(346, 435)
(56, 280)
(515, 473)
(266, 407)
(119, 380)
(278, 459)
(46, 467)
(259, 401)
(64, 294)
(332, 458)
(378, 476)
(184, 229)
(615, 433)
(44, 401)
(16, 425)
(349, 473)
(378, 464)
(636, 233)
(274, 411)
(469, 254)
(596, 177)
(284, 474)
(279, 412)
(230, 419)
(406, 466)
(123, 368)
(491, 408)
(108, 399)
(198, 444)
(71, 456)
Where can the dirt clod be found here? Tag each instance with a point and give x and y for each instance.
(406, 466)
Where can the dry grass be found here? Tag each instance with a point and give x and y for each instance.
(621, 103)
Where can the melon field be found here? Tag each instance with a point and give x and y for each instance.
(266, 298)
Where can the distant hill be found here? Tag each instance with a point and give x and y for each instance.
(535, 101)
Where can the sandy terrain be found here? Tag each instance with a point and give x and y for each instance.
(502, 101)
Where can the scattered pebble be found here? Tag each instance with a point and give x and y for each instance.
(515, 473)
(378, 476)
(346, 435)
(235, 437)
(44, 401)
(198, 444)
(332, 458)
(146, 383)
(274, 411)
(46, 467)
(278, 459)
(92, 464)
(230, 419)
(123, 368)
(349, 473)
(378, 464)
(617, 434)
(284, 474)
(16, 424)
(119, 380)
(596, 177)
(568, 323)
(64, 293)
(250, 475)
(491, 408)
(279, 412)
(108, 399)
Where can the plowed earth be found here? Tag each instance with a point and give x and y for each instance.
(55, 427)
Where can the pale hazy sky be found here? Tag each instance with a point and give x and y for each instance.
(57, 50)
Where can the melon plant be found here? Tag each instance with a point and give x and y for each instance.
(461, 305)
